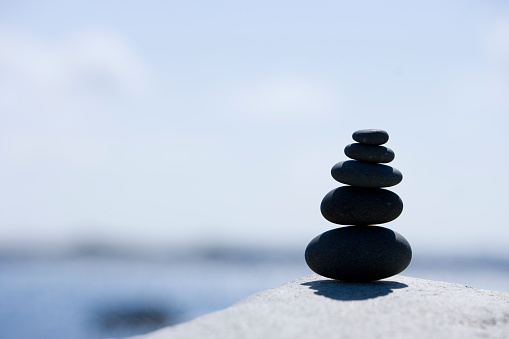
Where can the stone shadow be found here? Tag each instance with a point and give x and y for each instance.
(347, 291)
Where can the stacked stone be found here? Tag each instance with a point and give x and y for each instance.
(362, 252)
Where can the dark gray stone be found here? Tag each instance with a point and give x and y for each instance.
(358, 253)
(369, 153)
(365, 174)
(350, 205)
(371, 136)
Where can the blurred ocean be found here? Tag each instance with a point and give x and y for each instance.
(100, 293)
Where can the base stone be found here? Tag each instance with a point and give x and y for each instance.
(317, 307)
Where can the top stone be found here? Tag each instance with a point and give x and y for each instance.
(371, 136)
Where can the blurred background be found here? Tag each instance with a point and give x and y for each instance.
(162, 159)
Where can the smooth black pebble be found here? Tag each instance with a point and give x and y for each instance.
(350, 205)
(371, 136)
(365, 174)
(369, 153)
(358, 253)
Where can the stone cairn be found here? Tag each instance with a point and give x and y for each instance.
(362, 252)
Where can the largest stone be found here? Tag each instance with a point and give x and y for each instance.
(349, 205)
(358, 253)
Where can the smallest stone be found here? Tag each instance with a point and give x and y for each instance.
(371, 136)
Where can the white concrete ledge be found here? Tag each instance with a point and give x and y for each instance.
(316, 307)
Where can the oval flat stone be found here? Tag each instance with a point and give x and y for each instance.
(371, 136)
(358, 253)
(365, 174)
(350, 205)
(369, 153)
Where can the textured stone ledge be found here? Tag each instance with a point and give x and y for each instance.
(316, 307)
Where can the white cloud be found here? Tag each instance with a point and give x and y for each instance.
(41, 75)
(280, 97)
(497, 42)
(482, 90)
(472, 93)
(56, 95)
(27, 149)
(104, 60)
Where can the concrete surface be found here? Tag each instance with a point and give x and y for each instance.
(316, 307)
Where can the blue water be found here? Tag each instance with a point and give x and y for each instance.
(115, 297)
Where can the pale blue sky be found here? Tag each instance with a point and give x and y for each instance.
(160, 122)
